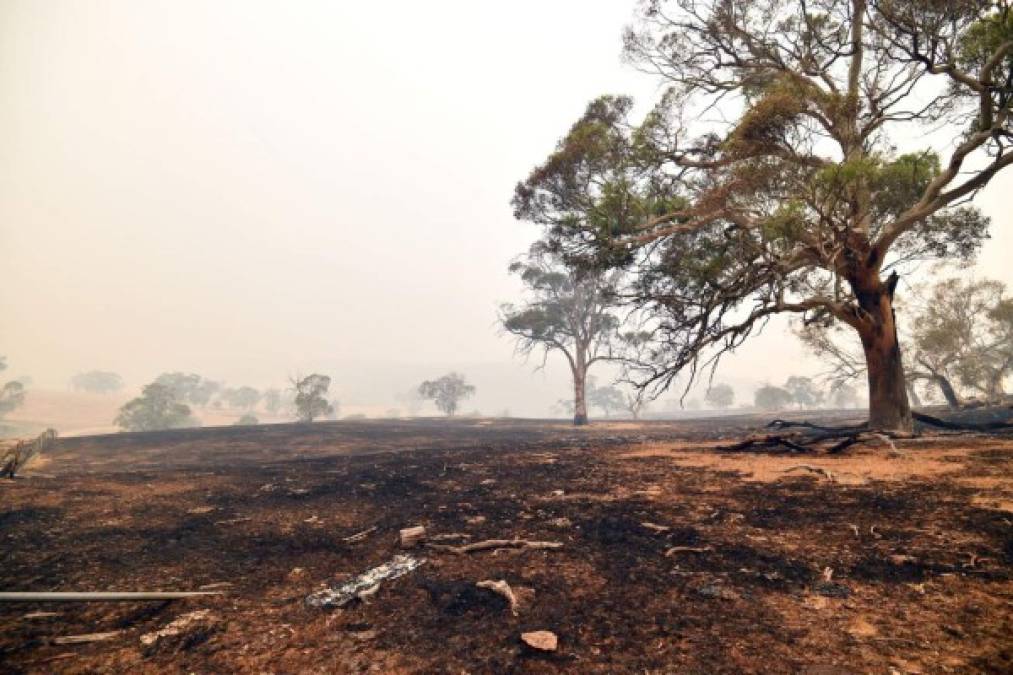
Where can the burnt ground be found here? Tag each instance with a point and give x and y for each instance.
(903, 561)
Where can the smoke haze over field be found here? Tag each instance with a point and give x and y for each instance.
(247, 190)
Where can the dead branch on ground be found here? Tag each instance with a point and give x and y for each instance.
(495, 544)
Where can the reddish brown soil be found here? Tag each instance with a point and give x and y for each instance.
(919, 548)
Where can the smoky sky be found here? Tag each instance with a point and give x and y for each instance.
(254, 189)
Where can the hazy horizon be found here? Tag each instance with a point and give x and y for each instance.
(251, 190)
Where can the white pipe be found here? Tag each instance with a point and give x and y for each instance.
(98, 596)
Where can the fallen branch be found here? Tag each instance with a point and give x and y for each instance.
(501, 587)
(960, 426)
(359, 536)
(812, 469)
(764, 442)
(687, 549)
(496, 544)
(786, 424)
(87, 637)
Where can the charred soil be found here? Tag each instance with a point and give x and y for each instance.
(675, 558)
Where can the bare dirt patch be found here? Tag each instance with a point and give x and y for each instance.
(674, 558)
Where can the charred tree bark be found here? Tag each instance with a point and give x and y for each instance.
(888, 402)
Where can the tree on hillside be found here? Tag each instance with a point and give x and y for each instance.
(769, 397)
(803, 391)
(566, 312)
(311, 397)
(156, 408)
(446, 392)
(97, 382)
(244, 397)
(794, 199)
(720, 396)
(190, 387)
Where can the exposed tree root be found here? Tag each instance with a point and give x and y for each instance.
(495, 544)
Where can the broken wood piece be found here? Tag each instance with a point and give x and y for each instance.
(451, 536)
(359, 536)
(85, 638)
(542, 640)
(496, 544)
(191, 629)
(412, 536)
(812, 469)
(356, 587)
(501, 587)
(98, 596)
(654, 527)
(686, 549)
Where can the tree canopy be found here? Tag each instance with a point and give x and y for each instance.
(97, 381)
(446, 392)
(311, 397)
(156, 408)
(720, 396)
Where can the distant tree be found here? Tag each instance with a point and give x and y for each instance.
(156, 408)
(566, 312)
(97, 382)
(803, 391)
(272, 401)
(311, 397)
(446, 392)
(845, 396)
(607, 399)
(635, 402)
(720, 396)
(411, 401)
(965, 334)
(246, 420)
(12, 394)
(241, 397)
(189, 387)
(961, 343)
(769, 397)
(565, 405)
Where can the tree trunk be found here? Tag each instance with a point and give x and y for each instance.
(579, 393)
(888, 402)
(912, 394)
(947, 390)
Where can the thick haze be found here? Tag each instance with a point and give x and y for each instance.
(250, 189)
